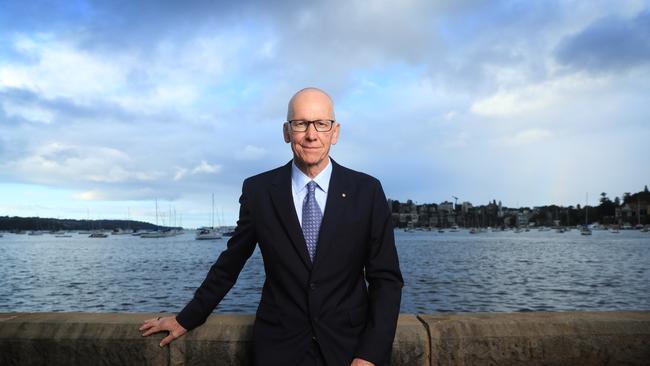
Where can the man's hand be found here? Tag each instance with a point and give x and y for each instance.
(166, 324)
(361, 362)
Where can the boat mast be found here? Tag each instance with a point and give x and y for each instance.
(587, 209)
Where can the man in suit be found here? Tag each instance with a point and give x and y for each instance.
(333, 284)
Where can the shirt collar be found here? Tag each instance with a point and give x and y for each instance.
(300, 179)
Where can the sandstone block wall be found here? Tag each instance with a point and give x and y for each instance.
(571, 338)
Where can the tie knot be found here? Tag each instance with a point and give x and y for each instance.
(311, 186)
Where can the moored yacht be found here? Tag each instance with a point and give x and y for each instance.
(98, 234)
(207, 233)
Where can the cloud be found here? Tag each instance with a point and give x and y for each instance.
(27, 106)
(534, 98)
(206, 168)
(60, 69)
(611, 43)
(527, 137)
(90, 196)
(250, 152)
(202, 168)
(57, 163)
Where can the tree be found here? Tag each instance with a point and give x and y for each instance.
(604, 199)
(645, 190)
(626, 197)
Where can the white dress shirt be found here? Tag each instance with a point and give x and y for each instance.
(299, 182)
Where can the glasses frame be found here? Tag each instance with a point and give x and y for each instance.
(332, 121)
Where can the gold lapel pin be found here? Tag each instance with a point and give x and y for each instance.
(343, 195)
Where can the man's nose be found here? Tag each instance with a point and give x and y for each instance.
(311, 132)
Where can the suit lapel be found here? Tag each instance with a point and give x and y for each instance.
(334, 210)
(283, 202)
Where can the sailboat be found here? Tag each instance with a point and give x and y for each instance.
(156, 233)
(585, 229)
(98, 234)
(210, 233)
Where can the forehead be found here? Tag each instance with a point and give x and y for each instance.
(311, 105)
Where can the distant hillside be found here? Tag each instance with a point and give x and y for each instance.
(39, 223)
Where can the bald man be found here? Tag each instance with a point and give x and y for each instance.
(333, 284)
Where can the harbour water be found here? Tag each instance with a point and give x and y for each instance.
(443, 272)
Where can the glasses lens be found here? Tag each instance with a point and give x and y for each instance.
(299, 125)
(323, 125)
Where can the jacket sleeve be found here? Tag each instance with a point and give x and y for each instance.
(224, 272)
(384, 285)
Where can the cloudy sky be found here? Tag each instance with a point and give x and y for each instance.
(106, 106)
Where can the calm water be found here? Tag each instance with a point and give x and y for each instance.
(450, 272)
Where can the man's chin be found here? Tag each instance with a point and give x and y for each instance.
(310, 162)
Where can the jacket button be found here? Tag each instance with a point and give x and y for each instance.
(312, 286)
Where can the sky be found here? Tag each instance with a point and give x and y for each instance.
(107, 107)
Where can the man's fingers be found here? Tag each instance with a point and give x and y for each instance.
(145, 326)
(151, 331)
(167, 340)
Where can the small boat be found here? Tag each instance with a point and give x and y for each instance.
(474, 230)
(560, 230)
(206, 233)
(35, 233)
(63, 236)
(98, 234)
(120, 232)
(518, 231)
(160, 234)
(153, 234)
(209, 233)
(585, 230)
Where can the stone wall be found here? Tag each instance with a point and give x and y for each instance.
(574, 338)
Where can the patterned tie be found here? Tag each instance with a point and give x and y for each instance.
(311, 219)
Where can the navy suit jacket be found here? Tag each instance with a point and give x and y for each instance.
(347, 300)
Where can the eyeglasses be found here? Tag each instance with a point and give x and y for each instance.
(321, 125)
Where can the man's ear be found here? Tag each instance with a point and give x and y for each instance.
(285, 132)
(335, 134)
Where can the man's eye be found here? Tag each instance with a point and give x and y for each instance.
(322, 124)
